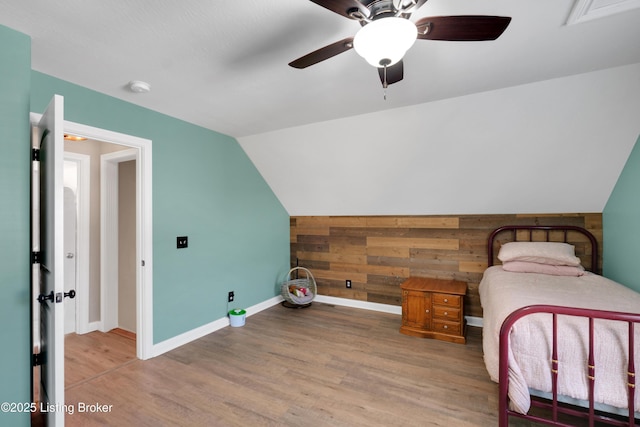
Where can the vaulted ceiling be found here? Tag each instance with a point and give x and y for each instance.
(223, 64)
(540, 120)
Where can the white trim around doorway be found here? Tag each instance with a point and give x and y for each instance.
(144, 217)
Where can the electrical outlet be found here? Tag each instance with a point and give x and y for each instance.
(231, 296)
(348, 284)
(182, 242)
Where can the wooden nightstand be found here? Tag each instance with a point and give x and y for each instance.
(434, 308)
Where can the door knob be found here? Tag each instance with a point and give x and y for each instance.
(70, 255)
(58, 298)
(42, 297)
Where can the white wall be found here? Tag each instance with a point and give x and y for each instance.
(549, 147)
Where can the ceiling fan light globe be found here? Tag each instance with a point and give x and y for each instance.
(385, 41)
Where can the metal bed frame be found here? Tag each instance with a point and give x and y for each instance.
(553, 407)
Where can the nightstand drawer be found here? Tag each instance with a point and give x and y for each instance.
(446, 299)
(446, 327)
(446, 313)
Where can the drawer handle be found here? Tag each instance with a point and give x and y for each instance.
(426, 311)
(446, 313)
(446, 300)
(446, 326)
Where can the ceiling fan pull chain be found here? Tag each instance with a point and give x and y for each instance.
(384, 82)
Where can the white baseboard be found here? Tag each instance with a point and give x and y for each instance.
(374, 306)
(89, 327)
(385, 308)
(203, 330)
(474, 321)
(264, 305)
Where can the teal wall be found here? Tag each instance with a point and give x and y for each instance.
(15, 343)
(204, 187)
(621, 225)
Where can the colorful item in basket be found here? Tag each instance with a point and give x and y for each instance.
(299, 292)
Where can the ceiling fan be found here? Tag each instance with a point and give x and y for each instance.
(387, 33)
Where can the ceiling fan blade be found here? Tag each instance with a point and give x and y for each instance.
(462, 28)
(323, 53)
(395, 73)
(344, 7)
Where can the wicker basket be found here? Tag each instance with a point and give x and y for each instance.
(306, 282)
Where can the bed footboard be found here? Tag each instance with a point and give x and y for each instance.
(552, 406)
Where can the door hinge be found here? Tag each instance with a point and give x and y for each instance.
(35, 154)
(35, 257)
(38, 359)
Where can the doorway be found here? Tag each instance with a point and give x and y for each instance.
(48, 263)
(105, 258)
(143, 231)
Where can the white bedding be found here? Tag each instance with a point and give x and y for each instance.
(503, 292)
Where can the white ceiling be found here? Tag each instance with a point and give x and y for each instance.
(555, 146)
(223, 64)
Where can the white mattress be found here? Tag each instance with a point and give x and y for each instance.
(503, 292)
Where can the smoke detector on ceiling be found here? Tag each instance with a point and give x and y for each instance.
(138, 86)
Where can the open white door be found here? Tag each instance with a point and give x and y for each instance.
(51, 260)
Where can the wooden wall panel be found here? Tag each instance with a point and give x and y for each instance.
(377, 253)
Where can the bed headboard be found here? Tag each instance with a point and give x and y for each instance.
(585, 242)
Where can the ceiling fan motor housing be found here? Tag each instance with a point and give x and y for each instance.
(379, 8)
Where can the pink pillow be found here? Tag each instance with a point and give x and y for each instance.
(552, 253)
(534, 267)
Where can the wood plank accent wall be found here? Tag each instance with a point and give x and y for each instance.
(377, 253)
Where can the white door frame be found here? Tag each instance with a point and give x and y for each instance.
(109, 234)
(83, 237)
(144, 226)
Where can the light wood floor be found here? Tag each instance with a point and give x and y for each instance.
(321, 366)
(92, 355)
